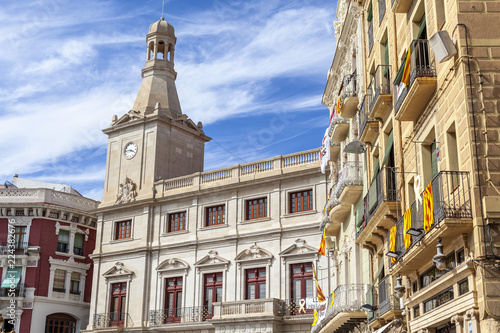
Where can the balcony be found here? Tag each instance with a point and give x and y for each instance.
(380, 90)
(195, 314)
(401, 6)
(333, 226)
(380, 208)
(350, 183)
(411, 100)
(339, 127)
(368, 127)
(345, 312)
(349, 97)
(114, 320)
(452, 217)
(19, 248)
(389, 307)
(19, 291)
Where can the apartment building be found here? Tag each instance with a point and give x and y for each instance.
(428, 133)
(182, 250)
(47, 232)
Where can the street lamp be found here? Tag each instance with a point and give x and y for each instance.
(399, 289)
(368, 307)
(415, 232)
(392, 254)
(439, 259)
(356, 147)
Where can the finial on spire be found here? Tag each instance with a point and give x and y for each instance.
(162, 9)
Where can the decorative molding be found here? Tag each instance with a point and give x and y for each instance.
(299, 249)
(210, 260)
(118, 270)
(173, 265)
(254, 253)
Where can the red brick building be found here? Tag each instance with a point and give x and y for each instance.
(47, 232)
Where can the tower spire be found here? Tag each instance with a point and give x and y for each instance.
(158, 93)
(162, 10)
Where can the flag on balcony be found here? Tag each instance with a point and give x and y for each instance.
(325, 151)
(428, 208)
(322, 245)
(338, 105)
(407, 226)
(321, 296)
(392, 242)
(406, 72)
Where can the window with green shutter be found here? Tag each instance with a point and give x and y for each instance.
(78, 246)
(369, 17)
(63, 241)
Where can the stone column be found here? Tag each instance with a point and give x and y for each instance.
(458, 321)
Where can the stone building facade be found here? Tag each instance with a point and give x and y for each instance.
(182, 250)
(428, 132)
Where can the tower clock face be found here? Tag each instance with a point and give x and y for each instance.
(130, 150)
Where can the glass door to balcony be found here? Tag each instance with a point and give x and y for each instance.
(302, 284)
(118, 304)
(173, 300)
(213, 292)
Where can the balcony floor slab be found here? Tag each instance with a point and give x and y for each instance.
(415, 101)
(350, 107)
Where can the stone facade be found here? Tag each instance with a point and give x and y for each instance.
(181, 250)
(436, 130)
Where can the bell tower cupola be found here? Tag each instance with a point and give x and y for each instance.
(154, 141)
(158, 84)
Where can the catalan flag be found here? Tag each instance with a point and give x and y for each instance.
(406, 73)
(428, 208)
(321, 296)
(322, 245)
(392, 242)
(407, 226)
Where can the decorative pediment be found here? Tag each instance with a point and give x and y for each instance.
(118, 270)
(183, 119)
(173, 264)
(254, 253)
(300, 249)
(212, 259)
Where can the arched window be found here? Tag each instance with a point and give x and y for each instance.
(60, 323)
(161, 49)
(151, 50)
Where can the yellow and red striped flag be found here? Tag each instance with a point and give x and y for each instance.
(407, 226)
(392, 242)
(428, 208)
(406, 72)
(322, 245)
(321, 296)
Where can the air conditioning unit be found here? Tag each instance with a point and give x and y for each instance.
(442, 46)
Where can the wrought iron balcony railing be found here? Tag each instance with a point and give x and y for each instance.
(180, 315)
(350, 174)
(19, 291)
(112, 319)
(386, 299)
(17, 247)
(421, 65)
(451, 199)
(348, 298)
(380, 84)
(297, 307)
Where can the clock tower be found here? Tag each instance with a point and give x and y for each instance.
(154, 140)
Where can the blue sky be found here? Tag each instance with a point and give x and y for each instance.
(252, 71)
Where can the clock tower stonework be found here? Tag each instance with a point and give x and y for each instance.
(154, 140)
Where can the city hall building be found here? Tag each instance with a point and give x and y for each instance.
(182, 250)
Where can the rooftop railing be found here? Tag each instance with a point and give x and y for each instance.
(270, 167)
(24, 195)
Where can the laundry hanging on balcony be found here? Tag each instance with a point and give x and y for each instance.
(428, 208)
(407, 226)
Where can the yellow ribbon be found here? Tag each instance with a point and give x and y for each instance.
(315, 317)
